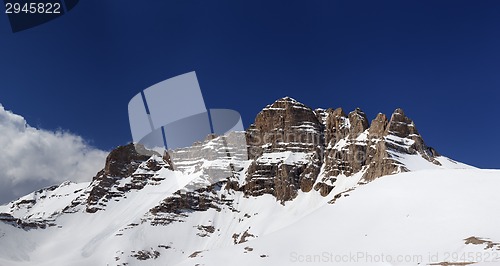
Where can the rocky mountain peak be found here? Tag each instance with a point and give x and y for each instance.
(358, 122)
(400, 125)
(378, 125)
(399, 111)
(283, 125)
(336, 125)
(124, 160)
(289, 146)
(285, 102)
(287, 99)
(338, 112)
(280, 128)
(343, 145)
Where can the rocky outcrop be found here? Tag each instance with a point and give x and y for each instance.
(283, 132)
(358, 123)
(378, 126)
(403, 127)
(285, 125)
(336, 125)
(123, 162)
(25, 224)
(342, 144)
(176, 207)
(353, 145)
(288, 145)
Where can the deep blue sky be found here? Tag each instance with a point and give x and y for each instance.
(438, 60)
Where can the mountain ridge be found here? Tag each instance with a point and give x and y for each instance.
(299, 160)
(347, 143)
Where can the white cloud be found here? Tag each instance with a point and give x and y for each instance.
(32, 158)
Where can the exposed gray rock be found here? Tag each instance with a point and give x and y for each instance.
(286, 125)
(329, 139)
(342, 144)
(122, 162)
(378, 126)
(358, 122)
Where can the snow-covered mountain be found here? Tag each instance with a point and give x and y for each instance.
(319, 187)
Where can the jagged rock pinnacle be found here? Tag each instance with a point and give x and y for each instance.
(342, 144)
(358, 121)
(378, 125)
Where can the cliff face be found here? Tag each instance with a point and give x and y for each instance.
(286, 147)
(291, 149)
(290, 143)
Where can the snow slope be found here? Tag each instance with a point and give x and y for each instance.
(305, 188)
(411, 218)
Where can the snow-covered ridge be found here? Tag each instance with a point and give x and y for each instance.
(327, 186)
